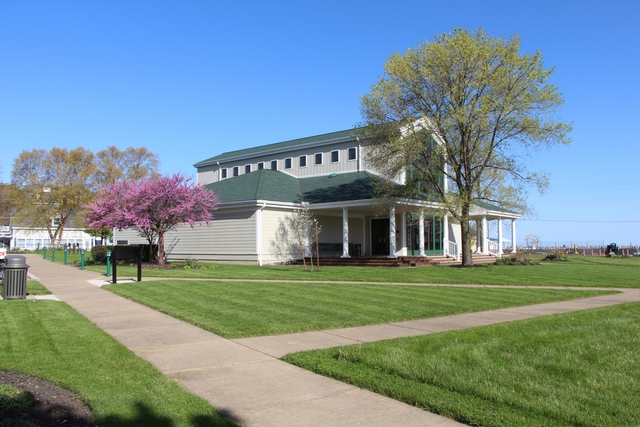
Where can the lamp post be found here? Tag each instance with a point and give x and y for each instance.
(108, 263)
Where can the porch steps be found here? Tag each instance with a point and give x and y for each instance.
(402, 261)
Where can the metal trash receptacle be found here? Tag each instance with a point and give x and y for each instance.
(14, 283)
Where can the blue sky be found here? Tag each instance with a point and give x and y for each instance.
(191, 79)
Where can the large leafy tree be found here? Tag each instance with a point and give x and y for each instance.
(132, 164)
(49, 188)
(153, 207)
(458, 117)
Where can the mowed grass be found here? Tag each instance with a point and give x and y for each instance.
(48, 339)
(242, 309)
(579, 271)
(574, 369)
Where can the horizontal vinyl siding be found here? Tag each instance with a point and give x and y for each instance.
(230, 238)
(209, 174)
(279, 239)
(332, 229)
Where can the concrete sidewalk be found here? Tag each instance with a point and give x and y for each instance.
(244, 377)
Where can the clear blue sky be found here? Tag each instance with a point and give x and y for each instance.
(192, 79)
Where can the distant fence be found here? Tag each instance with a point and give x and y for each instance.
(580, 246)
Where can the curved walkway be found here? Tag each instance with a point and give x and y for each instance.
(244, 378)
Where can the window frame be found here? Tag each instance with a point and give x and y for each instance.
(288, 161)
(236, 171)
(301, 161)
(224, 173)
(315, 159)
(260, 166)
(247, 168)
(335, 153)
(272, 163)
(355, 154)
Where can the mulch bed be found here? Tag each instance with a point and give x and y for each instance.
(52, 404)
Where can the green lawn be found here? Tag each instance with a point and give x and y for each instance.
(50, 340)
(578, 271)
(574, 369)
(241, 309)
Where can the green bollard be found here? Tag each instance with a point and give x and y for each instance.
(53, 254)
(81, 259)
(65, 256)
(44, 252)
(38, 249)
(108, 264)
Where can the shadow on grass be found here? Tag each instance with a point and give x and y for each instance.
(146, 417)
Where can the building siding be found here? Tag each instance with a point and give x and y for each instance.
(209, 174)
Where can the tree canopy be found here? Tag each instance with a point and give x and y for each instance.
(152, 206)
(50, 188)
(458, 117)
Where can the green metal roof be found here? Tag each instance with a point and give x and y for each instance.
(264, 184)
(280, 187)
(286, 145)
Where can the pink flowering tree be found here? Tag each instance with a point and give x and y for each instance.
(153, 207)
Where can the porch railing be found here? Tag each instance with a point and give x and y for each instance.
(494, 248)
(452, 249)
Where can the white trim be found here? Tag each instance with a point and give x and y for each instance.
(331, 156)
(315, 159)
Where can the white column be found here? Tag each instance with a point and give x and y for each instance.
(421, 231)
(403, 235)
(445, 235)
(500, 237)
(392, 232)
(485, 249)
(513, 236)
(345, 233)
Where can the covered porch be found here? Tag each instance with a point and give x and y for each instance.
(361, 228)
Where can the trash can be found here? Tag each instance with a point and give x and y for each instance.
(14, 283)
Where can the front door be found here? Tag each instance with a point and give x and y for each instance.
(380, 236)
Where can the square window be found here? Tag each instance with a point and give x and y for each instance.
(318, 158)
(236, 171)
(335, 156)
(352, 153)
(303, 161)
(287, 163)
(274, 165)
(224, 173)
(260, 166)
(247, 168)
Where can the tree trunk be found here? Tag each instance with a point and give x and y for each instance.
(160, 248)
(467, 257)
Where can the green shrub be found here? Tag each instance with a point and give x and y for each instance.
(556, 256)
(99, 253)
